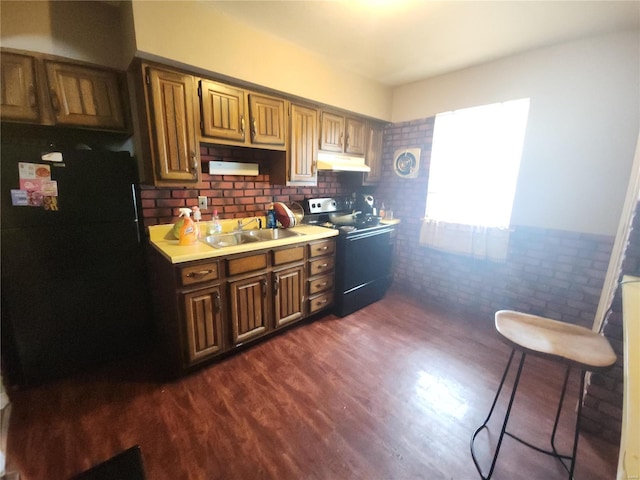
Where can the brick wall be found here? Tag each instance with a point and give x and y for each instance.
(235, 196)
(554, 273)
(557, 274)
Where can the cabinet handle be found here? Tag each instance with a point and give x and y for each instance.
(324, 265)
(54, 101)
(321, 249)
(341, 137)
(201, 273)
(323, 284)
(276, 283)
(264, 288)
(253, 128)
(216, 302)
(32, 96)
(194, 163)
(242, 125)
(347, 142)
(322, 302)
(314, 165)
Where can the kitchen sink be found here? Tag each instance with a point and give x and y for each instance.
(270, 234)
(247, 236)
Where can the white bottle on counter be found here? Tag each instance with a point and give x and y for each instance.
(215, 227)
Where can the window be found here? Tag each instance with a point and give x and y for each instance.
(473, 172)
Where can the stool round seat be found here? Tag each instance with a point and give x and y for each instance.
(574, 344)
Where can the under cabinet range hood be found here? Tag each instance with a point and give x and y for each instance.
(341, 163)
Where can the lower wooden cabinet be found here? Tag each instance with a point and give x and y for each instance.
(204, 316)
(288, 285)
(320, 275)
(248, 308)
(208, 307)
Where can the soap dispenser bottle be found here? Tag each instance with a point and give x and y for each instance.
(271, 217)
(216, 227)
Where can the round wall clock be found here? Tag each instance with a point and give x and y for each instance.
(406, 162)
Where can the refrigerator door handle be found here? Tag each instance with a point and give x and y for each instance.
(136, 218)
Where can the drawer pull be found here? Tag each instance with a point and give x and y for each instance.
(201, 273)
(322, 302)
(323, 284)
(324, 265)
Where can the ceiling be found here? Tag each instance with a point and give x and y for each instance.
(395, 42)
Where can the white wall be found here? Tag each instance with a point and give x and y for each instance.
(193, 33)
(86, 31)
(583, 124)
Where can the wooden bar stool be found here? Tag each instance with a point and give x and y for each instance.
(571, 345)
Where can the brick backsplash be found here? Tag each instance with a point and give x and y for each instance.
(233, 195)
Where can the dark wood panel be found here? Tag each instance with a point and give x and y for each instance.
(393, 391)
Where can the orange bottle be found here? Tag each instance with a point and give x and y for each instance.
(188, 231)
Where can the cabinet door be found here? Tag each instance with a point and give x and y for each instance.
(173, 123)
(267, 120)
(85, 97)
(248, 308)
(223, 111)
(18, 88)
(373, 157)
(355, 142)
(204, 318)
(304, 138)
(288, 285)
(332, 132)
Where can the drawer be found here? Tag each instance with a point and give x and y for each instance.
(320, 302)
(321, 265)
(236, 266)
(203, 272)
(288, 255)
(322, 248)
(320, 284)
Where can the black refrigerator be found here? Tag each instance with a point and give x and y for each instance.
(74, 285)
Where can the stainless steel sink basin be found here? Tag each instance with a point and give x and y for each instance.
(270, 234)
(247, 236)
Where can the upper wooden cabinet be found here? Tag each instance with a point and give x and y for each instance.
(373, 155)
(85, 97)
(231, 115)
(342, 134)
(170, 145)
(223, 111)
(304, 138)
(41, 89)
(19, 92)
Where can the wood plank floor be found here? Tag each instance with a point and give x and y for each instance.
(393, 391)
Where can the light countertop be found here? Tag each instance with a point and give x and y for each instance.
(162, 239)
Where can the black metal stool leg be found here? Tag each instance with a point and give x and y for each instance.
(576, 435)
(553, 452)
(506, 417)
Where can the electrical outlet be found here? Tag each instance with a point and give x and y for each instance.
(202, 202)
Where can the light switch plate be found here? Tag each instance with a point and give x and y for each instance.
(202, 202)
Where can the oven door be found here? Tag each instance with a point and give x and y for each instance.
(363, 268)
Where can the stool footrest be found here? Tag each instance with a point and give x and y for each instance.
(552, 453)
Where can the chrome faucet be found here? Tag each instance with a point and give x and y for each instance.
(255, 219)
